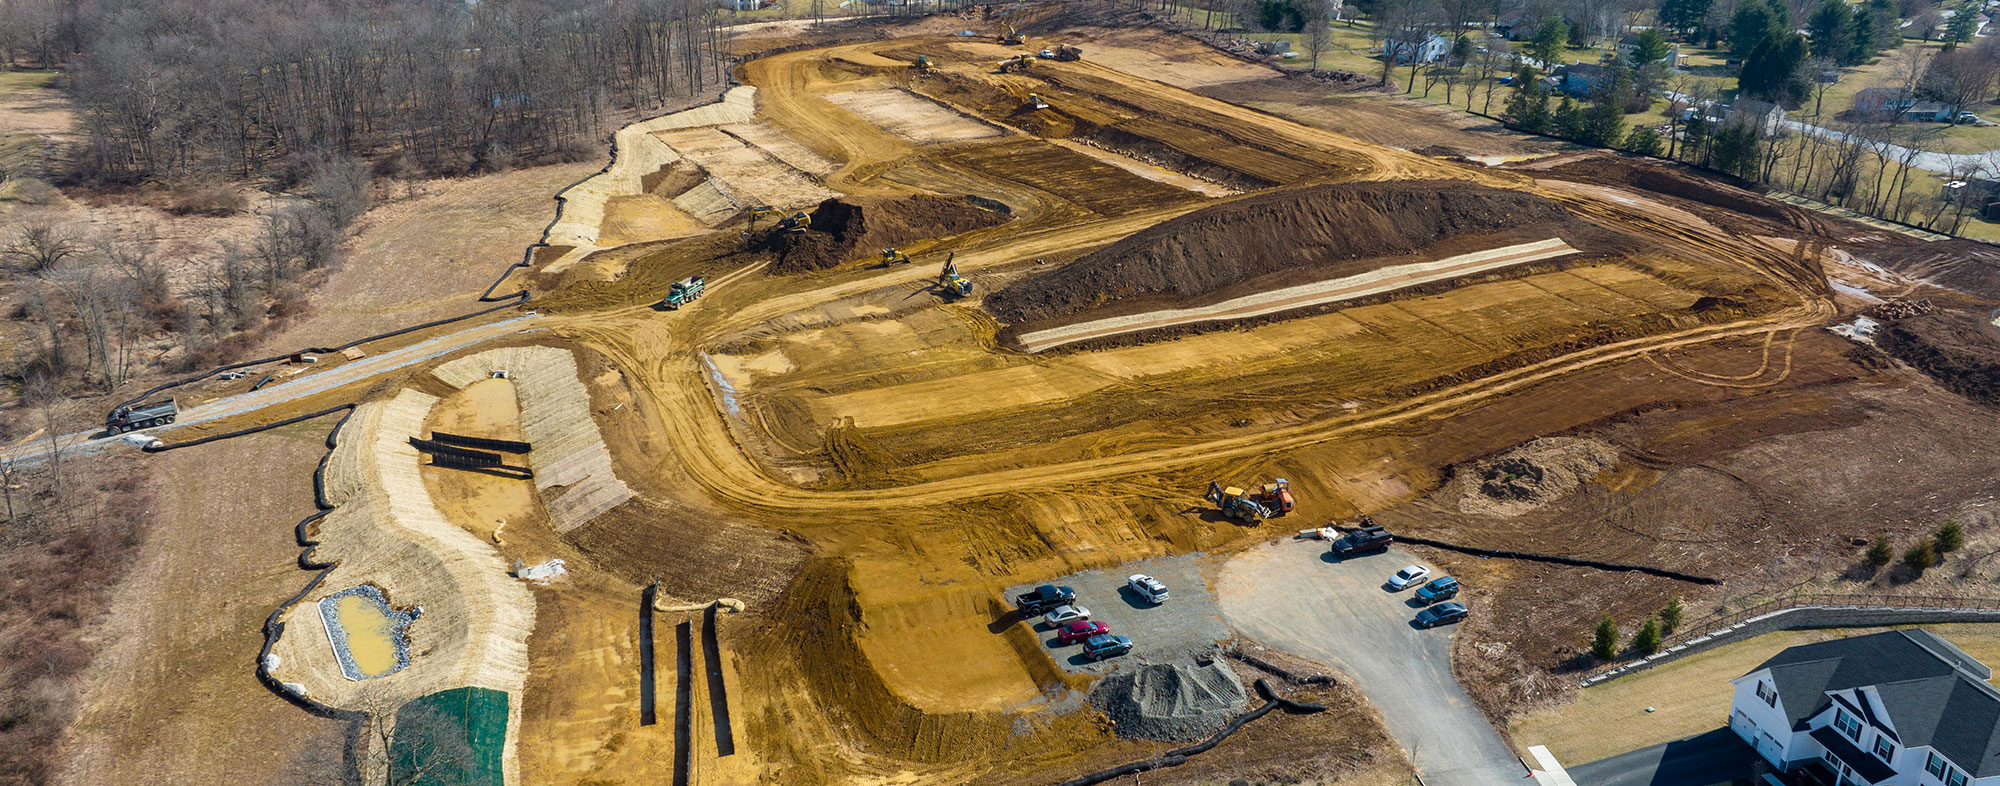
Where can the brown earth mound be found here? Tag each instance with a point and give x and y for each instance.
(1334, 229)
(1959, 349)
(843, 230)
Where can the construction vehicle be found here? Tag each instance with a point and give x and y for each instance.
(1019, 62)
(131, 416)
(1036, 103)
(1068, 54)
(923, 66)
(1012, 37)
(682, 292)
(891, 257)
(1236, 503)
(954, 285)
(1276, 497)
(796, 222)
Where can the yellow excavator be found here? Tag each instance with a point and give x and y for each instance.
(1012, 37)
(953, 284)
(892, 257)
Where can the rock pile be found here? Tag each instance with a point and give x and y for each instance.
(1183, 700)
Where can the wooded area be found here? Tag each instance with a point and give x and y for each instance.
(178, 89)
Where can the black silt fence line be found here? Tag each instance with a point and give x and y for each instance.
(718, 696)
(683, 701)
(462, 441)
(162, 448)
(647, 715)
(477, 458)
(1558, 560)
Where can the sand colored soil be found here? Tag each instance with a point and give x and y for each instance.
(847, 230)
(572, 467)
(913, 117)
(751, 175)
(385, 531)
(486, 505)
(1329, 229)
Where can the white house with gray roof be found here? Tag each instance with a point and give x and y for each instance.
(1903, 707)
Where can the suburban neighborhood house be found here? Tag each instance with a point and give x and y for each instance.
(1417, 45)
(1903, 707)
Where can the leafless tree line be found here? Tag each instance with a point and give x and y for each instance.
(171, 89)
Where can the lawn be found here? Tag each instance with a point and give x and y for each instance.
(11, 81)
(1689, 696)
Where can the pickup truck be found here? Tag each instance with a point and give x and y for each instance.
(1365, 539)
(1044, 598)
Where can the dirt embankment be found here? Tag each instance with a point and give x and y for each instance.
(1335, 230)
(843, 230)
(1959, 349)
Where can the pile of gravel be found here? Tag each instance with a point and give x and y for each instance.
(1183, 700)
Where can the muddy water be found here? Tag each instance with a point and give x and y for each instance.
(371, 636)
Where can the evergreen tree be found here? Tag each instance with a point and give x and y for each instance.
(1604, 643)
(1879, 552)
(1950, 537)
(1604, 124)
(1647, 640)
(1684, 16)
(1551, 41)
(1775, 70)
(1528, 109)
(1735, 151)
(1652, 47)
(1832, 28)
(1670, 617)
(1751, 24)
(1568, 122)
(1920, 558)
(1645, 142)
(1964, 22)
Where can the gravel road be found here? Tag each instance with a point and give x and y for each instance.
(1189, 623)
(1293, 596)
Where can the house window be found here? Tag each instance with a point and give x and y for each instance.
(1884, 749)
(1847, 724)
(1767, 693)
(1935, 766)
(1832, 761)
(1956, 778)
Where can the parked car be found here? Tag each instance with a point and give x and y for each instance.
(1440, 588)
(1105, 645)
(1040, 599)
(1064, 615)
(1081, 630)
(1148, 587)
(1440, 614)
(1408, 577)
(1368, 538)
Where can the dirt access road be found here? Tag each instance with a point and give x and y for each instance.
(1293, 596)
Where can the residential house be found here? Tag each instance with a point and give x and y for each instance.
(1581, 80)
(1901, 708)
(1409, 47)
(1516, 25)
(1630, 44)
(1766, 117)
(1882, 103)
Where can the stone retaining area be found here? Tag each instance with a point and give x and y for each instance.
(1799, 618)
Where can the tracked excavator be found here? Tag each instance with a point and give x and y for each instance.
(953, 284)
(1011, 37)
(891, 257)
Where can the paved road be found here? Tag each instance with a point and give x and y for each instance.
(1718, 756)
(305, 385)
(1292, 596)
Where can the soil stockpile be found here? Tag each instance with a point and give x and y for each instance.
(1960, 350)
(843, 230)
(1184, 700)
(1532, 475)
(1334, 230)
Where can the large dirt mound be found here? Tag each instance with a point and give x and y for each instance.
(843, 230)
(1960, 350)
(1333, 229)
(1177, 701)
(1532, 475)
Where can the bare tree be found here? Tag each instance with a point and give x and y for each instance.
(40, 245)
(1319, 28)
(414, 743)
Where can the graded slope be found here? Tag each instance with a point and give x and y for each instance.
(1332, 231)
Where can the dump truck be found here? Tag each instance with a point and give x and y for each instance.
(1369, 537)
(683, 292)
(134, 416)
(1040, 600)
(1068, 54)
(1019, 62)
(951, 282)
(1236, 503)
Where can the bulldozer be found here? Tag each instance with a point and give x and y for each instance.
(1019, 62)
(1237, 503)
(891, 257)
(1011, 37)
(1036, 103)
(953, 284)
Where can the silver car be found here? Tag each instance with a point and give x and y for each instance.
(1409, 577)
(1064, 615)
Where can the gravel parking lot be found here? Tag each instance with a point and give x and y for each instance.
(1189, 622)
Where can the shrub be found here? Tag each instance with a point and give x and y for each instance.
(1949, 537)
(1920, 558)
(1647, 640)
(1605, 643)
(205, 198)
(1879, 553)
(1670, 617)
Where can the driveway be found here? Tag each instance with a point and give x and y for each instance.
(1715, 757)
(1188, 624)
(1292, 595)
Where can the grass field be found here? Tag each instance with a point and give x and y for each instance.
(11, 81)
(1689, 696)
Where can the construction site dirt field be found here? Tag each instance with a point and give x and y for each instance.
(1109, 302)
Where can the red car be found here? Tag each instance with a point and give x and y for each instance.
(1080, 630)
